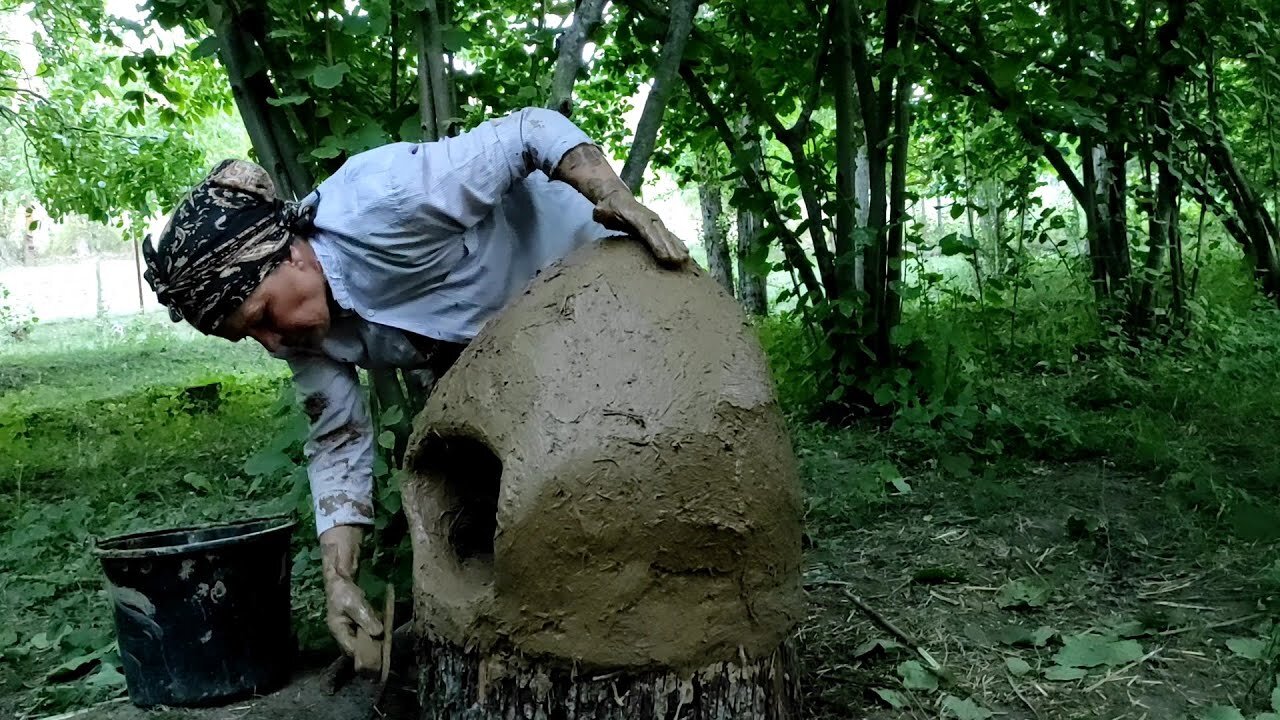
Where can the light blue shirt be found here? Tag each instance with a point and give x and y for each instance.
(432, 239)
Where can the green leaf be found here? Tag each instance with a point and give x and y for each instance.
(267, 462)
(1088, 650)
(895, 699)
(196, 481)
(901, 486)
(957, 465)
(207, 47)
(1017, 666)
(1042, 635)
(1250, 648)
(108, 676)
(1023, 593)
(872, 646)
(326, 151)
(1275, 694)
(330, 76)
(916, 677)
(965, 709)
(410, 130)
(1014, 635)
(392, 416)
(955, 244)
(454, 39)
(387, 439)
(288, 100)
(1221, 712)
(1061, 673)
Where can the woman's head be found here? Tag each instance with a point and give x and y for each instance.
(230, 241)
(290, 307)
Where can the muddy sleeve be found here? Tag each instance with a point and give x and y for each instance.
(339, 448)
(455, 183)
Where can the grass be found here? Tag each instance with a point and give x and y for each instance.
(1044, 490)
(100, 437)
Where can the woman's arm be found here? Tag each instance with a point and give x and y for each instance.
(587, 171)
(339, 454)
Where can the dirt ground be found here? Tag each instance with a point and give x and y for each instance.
(1114, 560)
(1105, 550)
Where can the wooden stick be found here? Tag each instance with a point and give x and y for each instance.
(1021, 697)
(901, 636)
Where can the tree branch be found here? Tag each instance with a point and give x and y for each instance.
(586, 18)
(655, 106)
(998, 100)
(791, 246)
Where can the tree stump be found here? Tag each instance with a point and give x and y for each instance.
(604, 507)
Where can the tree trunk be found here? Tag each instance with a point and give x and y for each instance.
(848, 139)
(456, 684)
(752, 288)
(892, 312)
(233, 52)
(25, 219)
(719, 262)
(752, 250)
(862, 191)
(1254, 221)
(586, 18)
(655, 106)
(435, 106)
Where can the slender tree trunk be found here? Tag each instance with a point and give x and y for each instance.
(25, 218)
(848, 135)
(233, 52)
(719, 262)
(436, 109)
(655, 106)
(752, 287)
(753, 175)
(862, 192)
(586, 18)
(892, 314)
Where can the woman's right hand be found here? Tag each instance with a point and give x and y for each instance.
(346, 609)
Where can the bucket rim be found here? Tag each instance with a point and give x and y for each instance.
(272, 524)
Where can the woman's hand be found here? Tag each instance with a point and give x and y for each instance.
(346, 609)
(586, 170)
(621, 211)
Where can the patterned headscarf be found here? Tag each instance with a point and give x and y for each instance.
(221, 242)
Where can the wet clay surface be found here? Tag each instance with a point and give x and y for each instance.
(647, 509)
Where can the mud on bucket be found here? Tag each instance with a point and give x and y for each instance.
(202, 614)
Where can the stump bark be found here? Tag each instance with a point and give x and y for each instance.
(459, 685)
(604, 507)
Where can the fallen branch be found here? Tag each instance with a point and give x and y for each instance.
(1211, 626)
(932, 665)
(1021, 697)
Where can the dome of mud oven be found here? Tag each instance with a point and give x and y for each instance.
(604, 476)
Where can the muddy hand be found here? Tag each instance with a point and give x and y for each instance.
(347, 613)
(621, 211)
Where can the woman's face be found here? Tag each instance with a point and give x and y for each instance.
(289, 309)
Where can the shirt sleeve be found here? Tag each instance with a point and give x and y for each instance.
(339, 448)
(455, 182)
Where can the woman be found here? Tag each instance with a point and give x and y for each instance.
(397, 260)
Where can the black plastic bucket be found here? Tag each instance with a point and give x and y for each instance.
(202, 614)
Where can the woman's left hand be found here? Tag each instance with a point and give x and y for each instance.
(621, 211)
